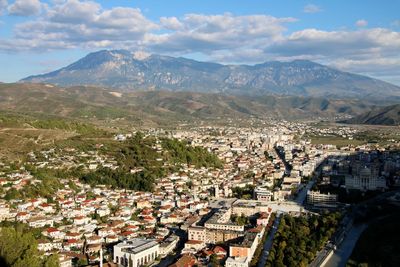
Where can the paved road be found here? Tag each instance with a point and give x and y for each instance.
(301, 196)
(343, 252)
(268, 242)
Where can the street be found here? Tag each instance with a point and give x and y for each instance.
(344, 250)
(268, 242)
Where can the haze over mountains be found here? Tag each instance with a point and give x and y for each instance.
(123, 70)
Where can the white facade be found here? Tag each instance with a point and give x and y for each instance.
(317, 199)
(365, 180)
(136, 252)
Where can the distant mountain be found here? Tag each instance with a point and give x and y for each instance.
(164, 106)
(389, 115)
(127, 71)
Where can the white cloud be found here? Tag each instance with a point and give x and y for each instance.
(311, 8)
(361, 23)
(73, 23)
(3, 5)
(171, 23)
(69, 24)
(395, 23)
(25, 8)
(209, 33)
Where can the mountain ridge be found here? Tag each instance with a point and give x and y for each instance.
(388, 115)
(122, 70)
(96, 103)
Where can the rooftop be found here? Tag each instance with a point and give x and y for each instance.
(137, 245)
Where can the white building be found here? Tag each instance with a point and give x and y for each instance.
(136, 252)
(323, 200)
(365, 180)
(262, 193)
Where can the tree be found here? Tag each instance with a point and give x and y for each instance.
(18, 249)
(52, 261)
(214, 261)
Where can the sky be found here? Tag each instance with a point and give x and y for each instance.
(360, 36)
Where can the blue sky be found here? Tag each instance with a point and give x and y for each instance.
(38, 36)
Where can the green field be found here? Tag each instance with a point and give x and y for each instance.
(335, 140)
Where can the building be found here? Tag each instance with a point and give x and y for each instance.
(365, 179)
(136, 252)
(168, 245)
(248, 208)
(221, 220)
(262, 193)
(240, 254)
(318, 199)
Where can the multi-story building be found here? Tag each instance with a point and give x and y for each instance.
(365, 179)
(262, 193)
(248, 208)
(316, 198)
(221, 221)
(136, 252)
(240, 254)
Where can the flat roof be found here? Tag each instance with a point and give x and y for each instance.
(137, 245)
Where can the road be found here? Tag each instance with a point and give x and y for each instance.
(343, 252)
(301, 196)
(351, 234)
(268, 242)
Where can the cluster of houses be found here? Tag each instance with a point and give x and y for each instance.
(139, 227)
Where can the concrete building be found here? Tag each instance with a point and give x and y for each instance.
(221, 220)
(136, 252)
(240, 254)
(365, 179)
(318, 199)
(262, 193)
(248, 207)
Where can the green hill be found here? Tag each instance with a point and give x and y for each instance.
(163, 107)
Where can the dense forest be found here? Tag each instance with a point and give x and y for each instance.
(18, 248)
(298, 239)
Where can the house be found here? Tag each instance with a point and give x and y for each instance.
(38, 222)
(94, 240)
(45, 245)
(23, 216)
(187, 260)
(53, 233)
(111, 239)
(81, 220)
(220, 252)
(73, 244)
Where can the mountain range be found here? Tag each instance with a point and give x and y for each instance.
(127, 71)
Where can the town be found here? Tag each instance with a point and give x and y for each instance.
(193, 215)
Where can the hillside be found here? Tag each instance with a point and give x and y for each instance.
(389, 115)
(120, 69)
(155, 107)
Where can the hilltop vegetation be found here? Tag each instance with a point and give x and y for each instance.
(141, 155)
(21, 133)
(18, 248)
